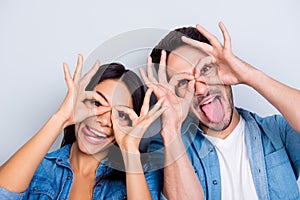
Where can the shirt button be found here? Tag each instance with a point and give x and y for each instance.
(124, 197)
(68, 177)
(210, 149)
(215, 182)
(35, 188)
(62, 199)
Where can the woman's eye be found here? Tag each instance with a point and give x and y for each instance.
(124, 119)
(205, 69)
(182, 83)
(91, 103)
(97, 103)
(123, 116)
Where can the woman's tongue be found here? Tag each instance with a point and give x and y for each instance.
(214, 111)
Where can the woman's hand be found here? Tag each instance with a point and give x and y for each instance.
(74, 108)
(129, 128)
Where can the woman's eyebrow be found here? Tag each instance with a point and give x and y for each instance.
(102, 96)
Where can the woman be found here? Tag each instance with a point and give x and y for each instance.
(99, 109)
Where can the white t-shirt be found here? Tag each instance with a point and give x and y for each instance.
(236, 176)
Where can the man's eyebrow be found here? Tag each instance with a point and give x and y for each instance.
(102, 96)
(198, 62)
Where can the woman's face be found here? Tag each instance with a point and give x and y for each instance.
(95, 134)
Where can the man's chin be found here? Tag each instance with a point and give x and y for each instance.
(216, 127)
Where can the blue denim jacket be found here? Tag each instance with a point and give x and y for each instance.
(274, 153)
(53, 180)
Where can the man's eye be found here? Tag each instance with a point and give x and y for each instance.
(182, 83)
(205, 69)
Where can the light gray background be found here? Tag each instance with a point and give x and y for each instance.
(36, 37)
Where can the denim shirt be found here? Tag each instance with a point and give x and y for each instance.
(53, 180)
(273, 149)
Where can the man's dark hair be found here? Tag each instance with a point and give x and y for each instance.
(173, 41)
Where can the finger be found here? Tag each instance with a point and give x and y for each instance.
(152, 117)
(87, 77)
(210, 37)
(146, 102)
(162, 76)
(92, 95)
(130, 112)
(84, 113)
(150, 73)
(147, 82)
(190, 91)
(99, 110)
(67, 75)
(137, 132)
(156, 106)
(115, 120)
(115, 115)
(157, 114)
(144, 76)
(206, 48)
(226, 36)
(78, 70)
(140, 128)
(160, 90)
(180, 76)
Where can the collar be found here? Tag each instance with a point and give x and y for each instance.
(62, 158)
(197, 140)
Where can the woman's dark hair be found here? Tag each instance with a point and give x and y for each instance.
(135, 87)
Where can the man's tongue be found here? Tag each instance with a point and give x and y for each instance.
(214, 111)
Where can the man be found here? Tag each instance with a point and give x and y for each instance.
(233, 154)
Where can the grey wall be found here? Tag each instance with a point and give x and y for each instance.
(37, 36)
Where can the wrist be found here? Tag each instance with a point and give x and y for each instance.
(129, 149)
(170, 134)
(248, 74)
(132, 162)
(254, 77)
(174, 150)
(61, 119)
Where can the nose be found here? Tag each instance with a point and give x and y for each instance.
(105, 119)
(200, 88)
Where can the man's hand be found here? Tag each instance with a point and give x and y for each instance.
(177, 107)
(231, 70)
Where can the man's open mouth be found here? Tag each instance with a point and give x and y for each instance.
(213, 109)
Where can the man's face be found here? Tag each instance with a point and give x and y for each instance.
(212, 103)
